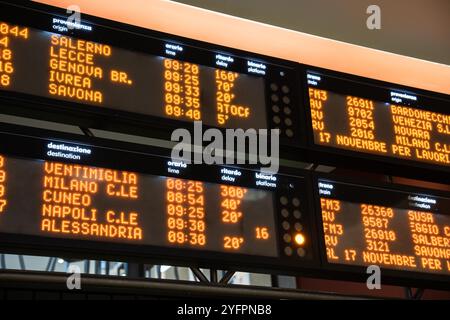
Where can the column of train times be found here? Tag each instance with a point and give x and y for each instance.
(431, 244)
(185, 212)
(317, 98)
(3, 201)
(69, 202)
(7, 33)
(414, 129)
(225, 81)
(333, 230)
(182, 90)
(73, 69)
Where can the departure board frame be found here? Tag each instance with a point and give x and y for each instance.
(281, 79)
(359, 273)
(30, 143)
(370, 162)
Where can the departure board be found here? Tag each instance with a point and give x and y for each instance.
(104, 74)
(62, 190)
(382, 121)
(75, 201)
(392, 229)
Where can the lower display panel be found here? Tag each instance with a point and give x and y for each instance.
(89, 195)
(92, 203)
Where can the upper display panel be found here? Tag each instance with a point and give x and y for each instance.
(101, 75)
(103, 67)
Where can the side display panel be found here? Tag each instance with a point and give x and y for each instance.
(393, 229)
(352, 116)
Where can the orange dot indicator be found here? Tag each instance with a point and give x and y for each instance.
(299, 239)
